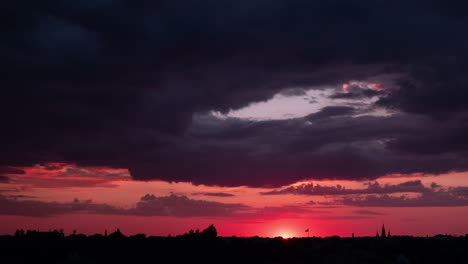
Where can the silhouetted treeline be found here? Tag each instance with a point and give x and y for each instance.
(205, 247)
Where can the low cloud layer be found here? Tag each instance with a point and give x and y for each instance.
(434, 199)
(217, 194)
(15, 206)
(450, 197)
(371, 188)
(149, 205)
(182, 206)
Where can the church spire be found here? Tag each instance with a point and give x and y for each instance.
(383, 231)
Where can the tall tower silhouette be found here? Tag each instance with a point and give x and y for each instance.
(383, 231)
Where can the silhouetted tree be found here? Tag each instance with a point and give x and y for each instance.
(117, 234)
(210, 232)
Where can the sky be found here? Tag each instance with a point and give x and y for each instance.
(262, 117)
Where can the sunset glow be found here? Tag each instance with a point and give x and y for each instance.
(282, 212)
(261, 118)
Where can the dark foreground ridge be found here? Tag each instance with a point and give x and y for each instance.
(207, 247)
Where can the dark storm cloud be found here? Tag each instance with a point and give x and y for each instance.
(372, 188)
(438, 88)
(293, 92)
(331, 111)
(291, 150)
(149, 205)
(356, 94)
(121, 83)
(4, 170)
(7, 170)
(446, 136)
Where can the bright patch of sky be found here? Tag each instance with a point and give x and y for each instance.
(286, 105)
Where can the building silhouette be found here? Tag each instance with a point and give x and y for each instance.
(383, 232)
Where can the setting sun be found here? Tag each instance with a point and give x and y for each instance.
(285, 234)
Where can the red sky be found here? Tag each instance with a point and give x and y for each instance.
(287, 214)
